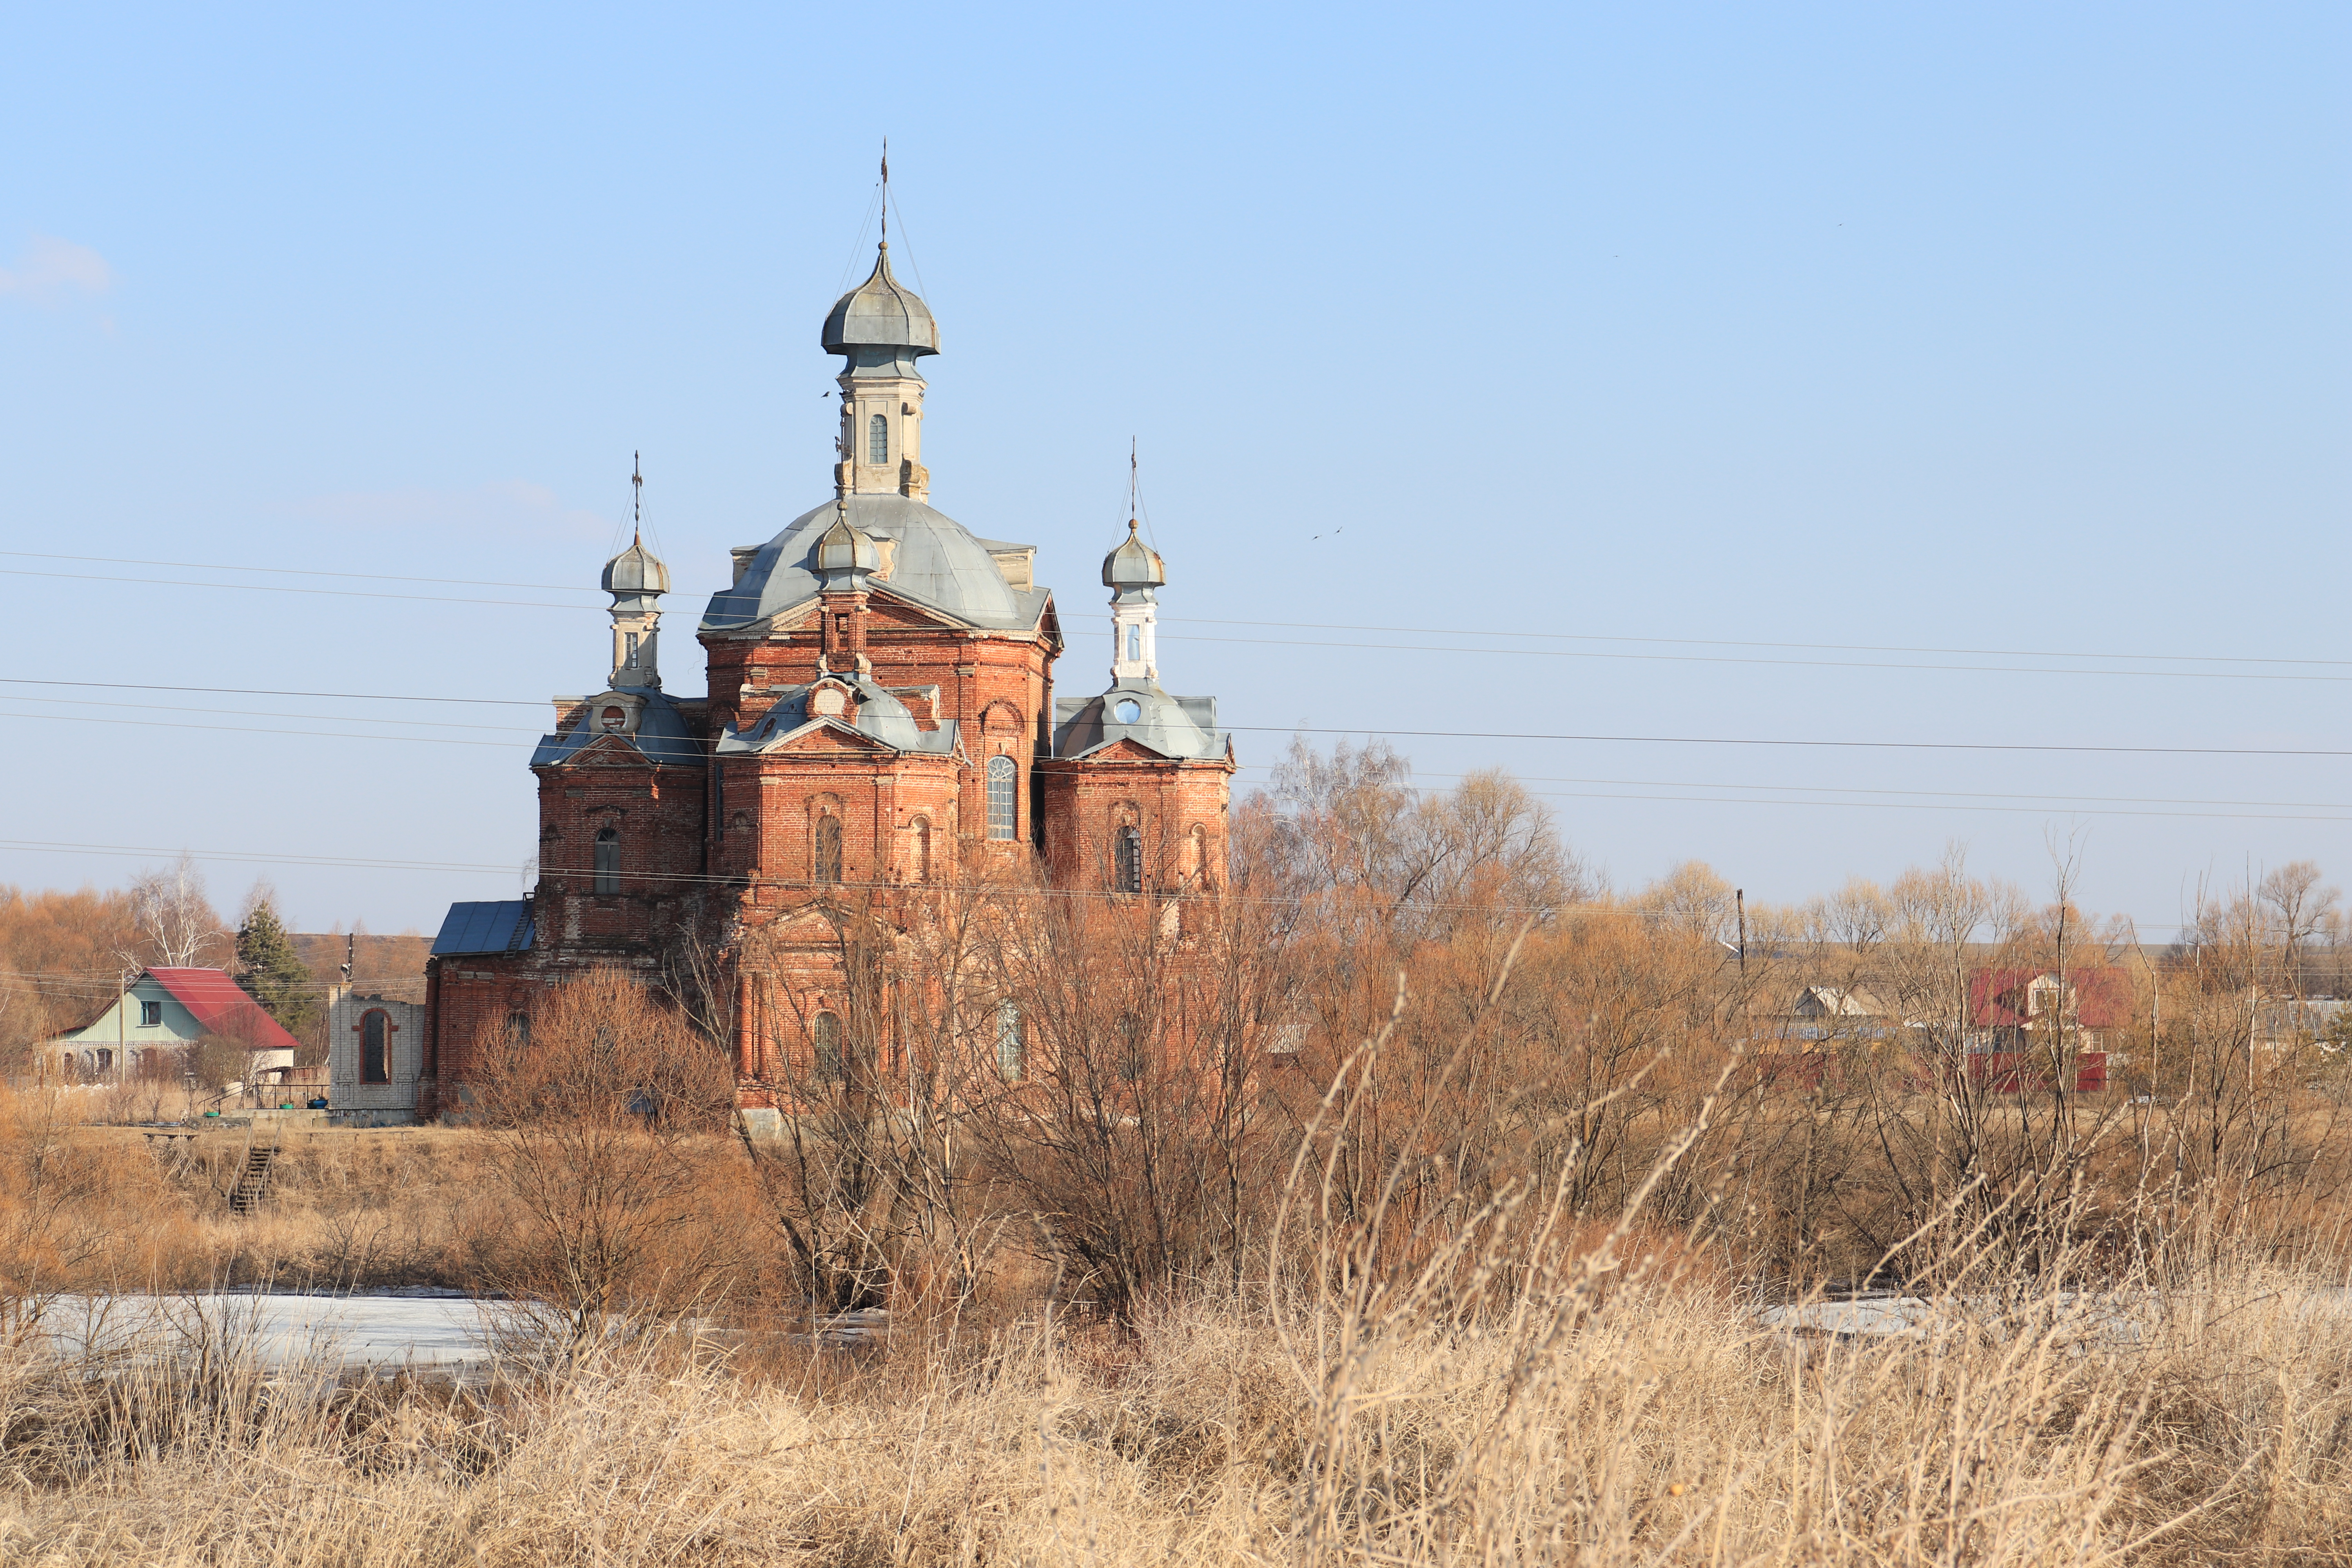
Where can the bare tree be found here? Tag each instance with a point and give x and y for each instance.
(607, 1124)
(177, 926)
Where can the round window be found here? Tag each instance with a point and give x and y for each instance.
(614, 717)
(1128, 710)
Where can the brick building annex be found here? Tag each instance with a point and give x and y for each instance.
(880, 718)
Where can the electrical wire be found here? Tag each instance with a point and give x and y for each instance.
(300, 571)
(1744, 741)
(1926, 794)
(283, 588)
(1284, 625)
(1311, 730)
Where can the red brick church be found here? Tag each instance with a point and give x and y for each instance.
(881, 717)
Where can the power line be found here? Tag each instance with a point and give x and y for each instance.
(914, 889)
(301, 572)
(1286, 625)
(256, 713)
(1726, 642)
(282, 588)
(1951, 800)
(258, 730)
(1774, 663)
(1308, 730)
(1740, 741)
(1923, 794)
(264, 691)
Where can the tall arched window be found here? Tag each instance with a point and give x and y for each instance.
(877, 439)
(828, 849)
(824, 1034)
(922, 849)
(1134, 644)
(1127, 866)
(1003, 796)
(1131, 1046)
(1011, 1049)
(608, 860)
(376, 1047)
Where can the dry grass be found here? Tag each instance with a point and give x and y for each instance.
(1667, 1429)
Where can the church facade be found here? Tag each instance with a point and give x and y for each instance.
(881, 720)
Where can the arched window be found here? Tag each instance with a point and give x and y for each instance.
(828, 849)
(877, 439)
(1131, 1047)
(1200, 867)
(630, 640)
(1127, 866)
(376, 1047)
(1134, 644)
(824, 1034)
(519, 1029)
(1011, 1049)
(922, 849)
(1003, 796)
(608, 860)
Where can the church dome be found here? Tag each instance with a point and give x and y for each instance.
(635, 570)
(881, 313)
(1134, 564)
(927, 557)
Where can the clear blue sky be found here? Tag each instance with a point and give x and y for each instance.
(1995, 327)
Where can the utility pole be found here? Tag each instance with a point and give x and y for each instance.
(1739, 902)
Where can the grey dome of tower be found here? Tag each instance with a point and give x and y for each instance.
(881, 313)
(1134, 564)
(635, 570)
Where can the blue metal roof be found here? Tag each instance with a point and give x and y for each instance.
(504, 926)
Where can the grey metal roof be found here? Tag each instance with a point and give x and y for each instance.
(875, 714)
(635, 570)
(935, 563)
(1134, 564)
(881, 313)
(1184, 728)
(661, 734)
(504, 926)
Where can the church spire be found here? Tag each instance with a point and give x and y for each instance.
(880, 329)
(1135, 574)
(636, 579)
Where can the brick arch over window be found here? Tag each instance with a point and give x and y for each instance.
(1001, 718)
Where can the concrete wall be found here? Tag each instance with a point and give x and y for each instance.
(377, 1103)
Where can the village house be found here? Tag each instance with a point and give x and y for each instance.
(156, 1019)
